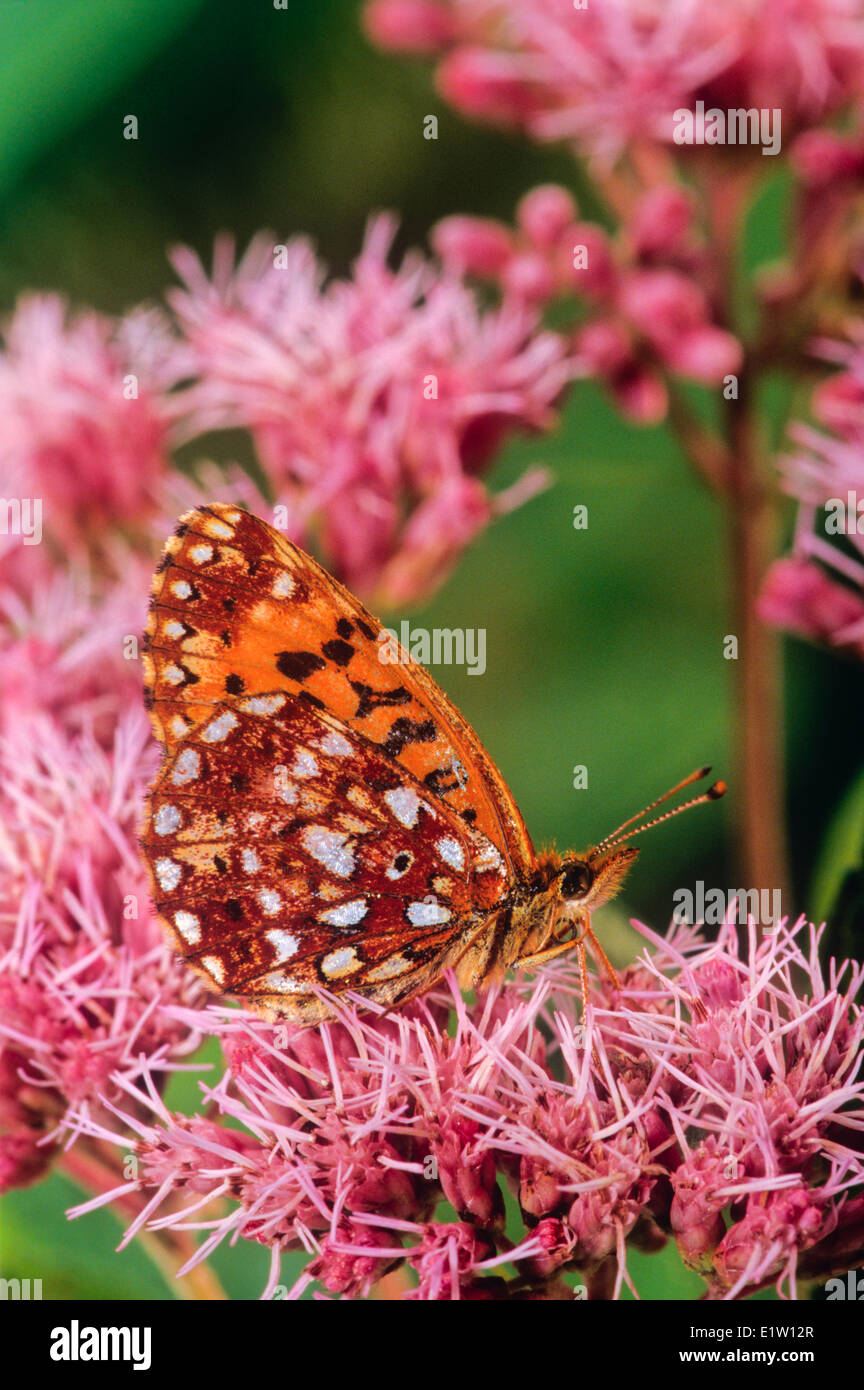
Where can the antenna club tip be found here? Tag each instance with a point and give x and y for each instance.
(703, 772)
(714, 793)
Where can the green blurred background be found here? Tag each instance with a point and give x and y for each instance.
(604, 646)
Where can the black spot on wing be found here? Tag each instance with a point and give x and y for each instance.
(338, 651)
(299, 666)
(404, 731)
(369, 699)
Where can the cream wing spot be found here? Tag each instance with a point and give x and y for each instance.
(263, 704)
(214, 968)
(189, 927)
(393, 965)
(172, 628)
(305, 764)
(346, 914)
(169, 873)
(220, 727)
(284, 944)
(250, 860)
(180, 588)
(451, 852)
(283, 585)
(211, 526)
(269, 901)
(277, 983)
(286, 791)
(173, 675)
(166, 820)
(486, 858)
(405, 805)
(343, 961)
(200, 554)
(335, 745)
(427, 914)
(187, 767)
(330, 848)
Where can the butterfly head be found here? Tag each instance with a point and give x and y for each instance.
(589, 880)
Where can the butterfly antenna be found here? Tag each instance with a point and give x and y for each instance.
(712, 794)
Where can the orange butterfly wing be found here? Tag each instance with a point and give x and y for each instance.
(241, 622)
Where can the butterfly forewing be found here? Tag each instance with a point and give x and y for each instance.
(322, 818)
(239, 609)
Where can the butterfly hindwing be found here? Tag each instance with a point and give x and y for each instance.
(288, 855)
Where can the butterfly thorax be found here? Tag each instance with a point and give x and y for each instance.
(545, 915)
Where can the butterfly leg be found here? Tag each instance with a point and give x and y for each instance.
(541, 957)
(598, 951)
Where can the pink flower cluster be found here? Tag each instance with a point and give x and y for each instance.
(649, 313)
(708, 1085)
(85, 975)
(375, 402)
(85, 423)
(612, 73)
(817, 591)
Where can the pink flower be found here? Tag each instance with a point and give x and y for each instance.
(818, 590)
(649, 313)
(375, 402)
(766, 1076)
(611, 74)
(705, 1090)
(70, 649)
(86, 979)
(84, 430)
(799, 595)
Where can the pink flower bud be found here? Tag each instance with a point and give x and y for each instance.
(408, 26)
(585, 260)
(483, 84)
(445, 1259)
(545, 213)
(760, 1244)
(839, 403)
(558, 1242)
(641, 395)
(661, 221)
(467, 1171)
(604, 346)
(23, 1160)
(705, 354)
(696, 1212)
(343, 1268)
(530, 277)
(719, 984)
(822, 157)
(473, 245)
(798, 595)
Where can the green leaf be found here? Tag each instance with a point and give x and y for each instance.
(58, 63)
(837, 894)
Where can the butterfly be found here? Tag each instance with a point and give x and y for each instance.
(325, 821)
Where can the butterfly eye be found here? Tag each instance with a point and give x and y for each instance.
(576, 879)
